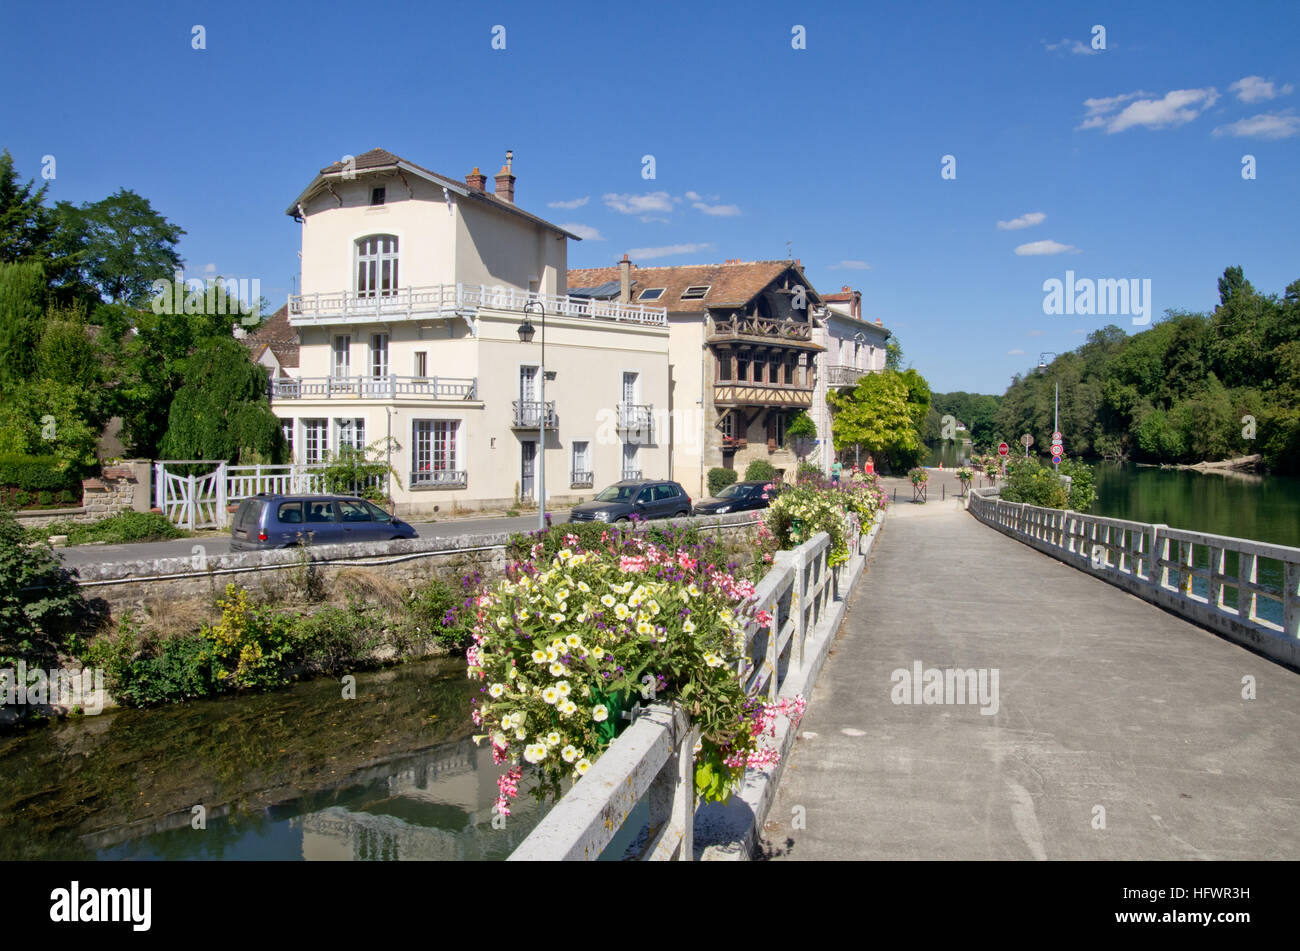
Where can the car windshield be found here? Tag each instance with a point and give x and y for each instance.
(618, 493)
(734, 491)
(378, 514)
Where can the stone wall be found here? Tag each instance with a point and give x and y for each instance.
(123, 487)
(123, 586)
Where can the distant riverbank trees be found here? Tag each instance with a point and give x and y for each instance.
(1193, 387)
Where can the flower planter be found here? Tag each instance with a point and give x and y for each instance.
(612, 725)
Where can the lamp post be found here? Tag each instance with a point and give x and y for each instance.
(526, 332)
(1056, 406)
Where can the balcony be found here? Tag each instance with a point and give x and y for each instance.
(528, 415)
(582, 480)
(427, 478)
(636, 418)
(759, 394)
(764, 331)
(844, 376)
(442, 388)
(629, 474)
(734, 442)
(452, 300)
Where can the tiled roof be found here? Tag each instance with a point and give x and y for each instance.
(275, 334)
(735, 283)
(382, 158)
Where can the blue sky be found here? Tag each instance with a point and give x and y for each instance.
(1131, 155)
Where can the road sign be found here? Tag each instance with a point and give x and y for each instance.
(1058, 449)
(1026, 440)
(1056, 460)
(1003, 449)
(1056, 437)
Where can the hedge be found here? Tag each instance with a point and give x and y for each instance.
(37, 473)
(719, 479)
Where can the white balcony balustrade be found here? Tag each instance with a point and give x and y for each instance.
(452, 299)
(527, 414)
(389, 387)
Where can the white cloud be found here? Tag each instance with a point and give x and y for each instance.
(1015, 353)
(694, 196)
(1177, 107)
(850, 266)
(575, 203)
(209, 269)
(586, 232)
(1034, 333)
(1074, 46)
(1024, 221)
(1080, 332)
(638, 204)
(643, 254)
(1257, 89)
(653, 218)
(725, 211)
(1263, 126)
(1045, 247)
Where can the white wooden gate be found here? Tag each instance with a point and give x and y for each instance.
(191, 501)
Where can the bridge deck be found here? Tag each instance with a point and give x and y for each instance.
(1104, 700)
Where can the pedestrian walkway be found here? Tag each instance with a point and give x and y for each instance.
(1120, 730)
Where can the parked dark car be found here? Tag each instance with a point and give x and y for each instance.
(644, 498)
(737, 497)
(282, 521)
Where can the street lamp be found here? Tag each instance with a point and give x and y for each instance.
(1056, 411)
(526, 332)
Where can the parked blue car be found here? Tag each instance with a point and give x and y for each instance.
(282, 521)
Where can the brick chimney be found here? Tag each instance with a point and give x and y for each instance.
(505, 179)
(624, 280)
(476, 180)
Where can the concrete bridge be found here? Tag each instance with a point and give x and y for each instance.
(1117, 730)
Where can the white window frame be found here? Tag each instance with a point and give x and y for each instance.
(418, 371)
(376, 265)
(345, 365)
(379, 368)
(427, 446)
(350, 431)
(315, 436)
(702, 288)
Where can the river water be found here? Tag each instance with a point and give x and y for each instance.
(298, 773)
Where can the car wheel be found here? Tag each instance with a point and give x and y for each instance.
(682, 515)
(623, 519)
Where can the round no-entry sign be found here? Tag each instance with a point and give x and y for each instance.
(1056, 437)
(1003, 449)
(1057, 449)
(1056, 460)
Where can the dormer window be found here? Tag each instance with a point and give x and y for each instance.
(377, 265)
(651, 293)
(696, 292)
(377, 195)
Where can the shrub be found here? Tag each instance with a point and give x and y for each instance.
(520, 545)
(248, 646)
(43, 497)
(22, 498)
(69, 497)
(336, 639)
(808, 472)
(141, 674)
(116, 529)
(1030, 481)
(34, 473)
(760, 469)
(39, 599)
(719, 479)
(801, 426)
(440, 612)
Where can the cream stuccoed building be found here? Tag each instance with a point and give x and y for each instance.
(852, 347)
(413, 292)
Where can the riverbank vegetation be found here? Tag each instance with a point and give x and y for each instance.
(1193, 387)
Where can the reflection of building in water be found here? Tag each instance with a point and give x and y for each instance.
(438, 808)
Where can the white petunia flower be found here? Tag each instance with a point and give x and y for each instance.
(599, 713)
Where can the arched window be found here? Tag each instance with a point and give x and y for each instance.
(377, 265)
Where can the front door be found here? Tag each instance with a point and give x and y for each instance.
(527, 469)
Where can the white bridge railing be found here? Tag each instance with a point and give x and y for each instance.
(653, 758)
(1246, 590)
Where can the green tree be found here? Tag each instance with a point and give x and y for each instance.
(877, 417)
(26, 225)
(22, 302)
(126, 245)
(221, 411)
(893, 354)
